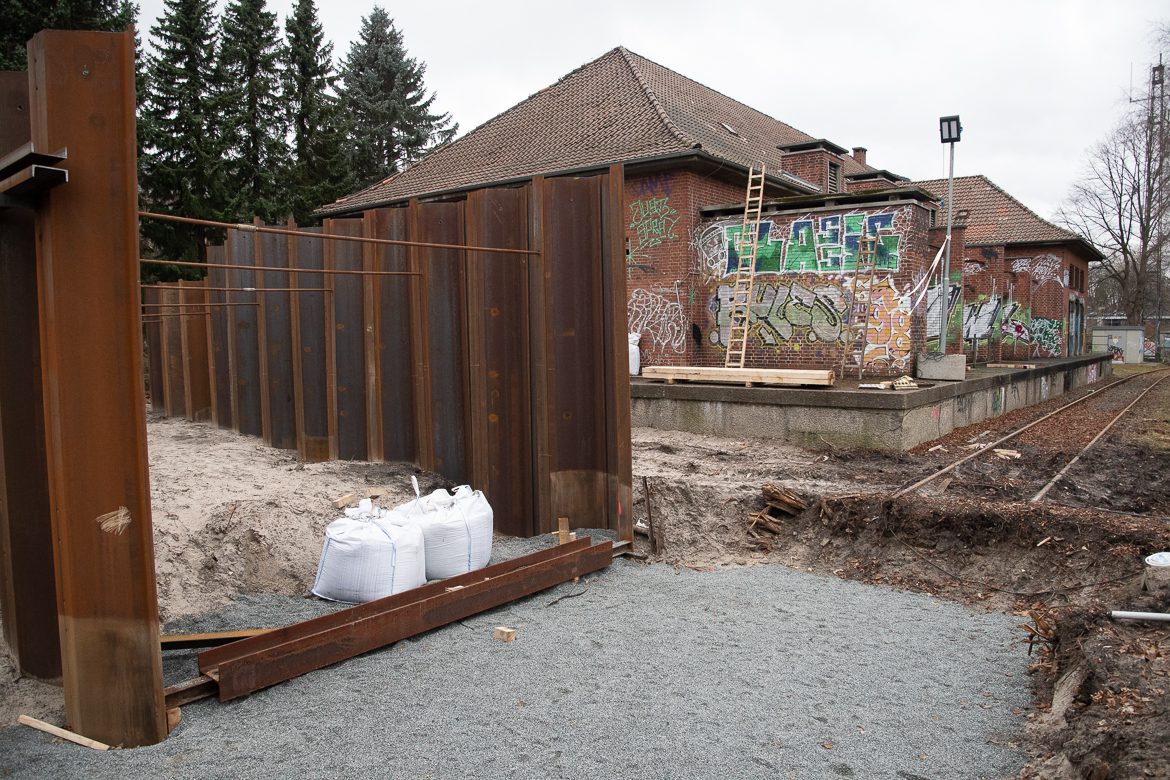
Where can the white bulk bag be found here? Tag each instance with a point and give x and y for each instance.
(366, 557)
(635, 354)
(457, 529)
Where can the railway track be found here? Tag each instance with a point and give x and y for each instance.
(1027, 463)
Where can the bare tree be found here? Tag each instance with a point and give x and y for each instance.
(1119, 205)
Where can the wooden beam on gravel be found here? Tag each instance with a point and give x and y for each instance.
(741, 376)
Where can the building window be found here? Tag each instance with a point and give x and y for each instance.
(834, 177)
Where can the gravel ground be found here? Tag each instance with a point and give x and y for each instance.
(651, 672)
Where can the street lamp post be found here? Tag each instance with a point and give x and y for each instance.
(949, 129)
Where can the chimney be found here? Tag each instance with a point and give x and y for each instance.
(859, 154)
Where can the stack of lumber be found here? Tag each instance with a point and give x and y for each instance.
(779, 499)
(741, 376)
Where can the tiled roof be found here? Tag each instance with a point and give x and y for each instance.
(993, 216)
(617, 108)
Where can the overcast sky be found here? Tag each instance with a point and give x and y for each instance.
(1036, 83)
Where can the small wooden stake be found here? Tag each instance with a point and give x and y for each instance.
(344, 501)
(174, 717)
(56, 731)
(563, 529)
(504, 634)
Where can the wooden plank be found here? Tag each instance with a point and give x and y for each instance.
(28, 596)
(395, 325)
(618, 445)
(95, 406)
(306, 653)
(347, 336)
(61, 733)
(738, 376)
(196, 381)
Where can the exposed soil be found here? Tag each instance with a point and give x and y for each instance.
(233, 516)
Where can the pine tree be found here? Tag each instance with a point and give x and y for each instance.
(254, 119)
(318, 172)
(22, 19)
(179, 130)
(384, 97)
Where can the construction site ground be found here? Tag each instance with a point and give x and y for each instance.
(957, 632)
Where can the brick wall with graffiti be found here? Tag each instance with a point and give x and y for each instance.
(805, 266)
(665, 304)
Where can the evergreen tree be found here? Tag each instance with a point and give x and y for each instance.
(254, 119)
(391, 124)
(22, 19)
(180, 167)
(318, 172)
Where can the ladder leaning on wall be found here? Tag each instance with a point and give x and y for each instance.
(745, 270)
(860, 304)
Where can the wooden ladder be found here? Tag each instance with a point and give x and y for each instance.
(745, 270)
(860, 304)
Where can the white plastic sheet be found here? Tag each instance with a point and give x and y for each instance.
(457, 529)
(367, 557)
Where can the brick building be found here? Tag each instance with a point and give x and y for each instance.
(1018, 283)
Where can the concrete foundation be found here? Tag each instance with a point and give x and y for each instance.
(938, 367)
(844, 416)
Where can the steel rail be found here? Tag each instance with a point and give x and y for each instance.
(266, 269)
(332, 236)
(1060, 474)
(1010, 436)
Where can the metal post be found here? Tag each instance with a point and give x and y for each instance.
(946, 286)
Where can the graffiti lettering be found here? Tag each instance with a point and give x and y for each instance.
(652, 220)
(660, 318)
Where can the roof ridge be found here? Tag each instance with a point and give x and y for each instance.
(1021, 204)
(653, 98)
(712, 89)
(438, 150)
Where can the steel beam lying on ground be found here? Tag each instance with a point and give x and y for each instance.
(243, 667)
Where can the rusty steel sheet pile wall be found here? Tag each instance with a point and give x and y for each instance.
(504, 371)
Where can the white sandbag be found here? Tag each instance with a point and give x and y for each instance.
(366, 557)
(635, 354)
(457, 529)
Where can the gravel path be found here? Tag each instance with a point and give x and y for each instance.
(651, 672)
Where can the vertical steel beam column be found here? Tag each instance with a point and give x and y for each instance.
(420, 342)
(539, 349)
(370, 339)
(95, 408)
(28, 597)
(618, 448)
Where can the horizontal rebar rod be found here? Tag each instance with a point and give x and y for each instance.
(171, 305)
(235, 289)
(332, 236)
(266, 269)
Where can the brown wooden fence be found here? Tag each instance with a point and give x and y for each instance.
(504, 371)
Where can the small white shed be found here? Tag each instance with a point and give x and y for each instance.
(1124, 341)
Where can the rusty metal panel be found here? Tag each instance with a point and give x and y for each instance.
(313, 399)
(275, 309)
(219, 355)
(28, 595)
(370, 329)
(174, 391)
(420, 350)
(445, 323)
(576, 369)
(196, 381)
(538, 350)
(396, 389)
(154, 348)
(95, 407)
(348, 366)
(499, 357)
(243, 327)
(618, 452)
